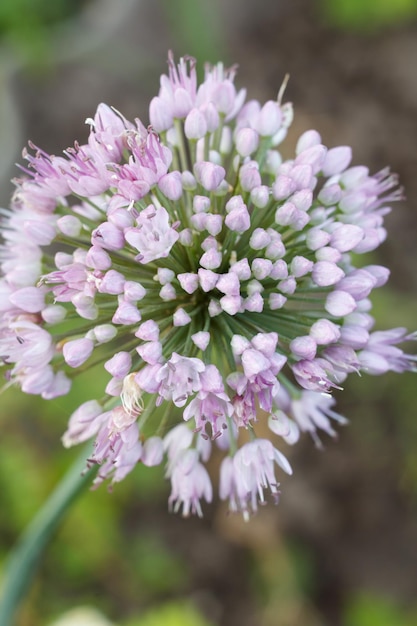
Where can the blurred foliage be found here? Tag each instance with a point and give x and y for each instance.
(372, 610)
(197, 27)
(25, 24)
(368, 15)
(170, 614)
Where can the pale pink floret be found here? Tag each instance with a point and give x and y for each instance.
(179, 378)
(381, 353)
(153, 236)
(190, 483)
(211, 405)
(244, 478)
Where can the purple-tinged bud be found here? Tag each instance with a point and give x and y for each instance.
(288, 285)
(330, 194)
(307, 140)
(276, 301)
(195, 126)
(304, 347)
(160, 115)
(289, 215)
(324, 332)
(182, 102)
(211, 260)
(108, 236)
(354, 176)
(241, 269)
(273, 161)
(77, 351)
(98, 258)
(209, 175)
(265, 342)
(211, 116)
(317, 238)
(326, 273)
(209, 243)
(188, 281)
(214, 308)
(340, 303)
(283, 187)
(337, 160)
(269, 119)
(359, 283)
(112, 283)
(249, 176)
(302, 199)
(353, 201)
(260, 196)
(85, 306)
(328, 254)
(354, 336)
(259, 239)
(228, 284)
(276, 249)
(373, 237)
(167, 292)
(313, 375)
(346, 237)
(171, 185)
(119, 365)
(208, 279)
(254, 362)
(254, 303)
(84, 423)
(254, 286)
(103, 333)
(201, 204)
(261, 268)
(201, 339)
(239, 344)
(280, 425)
(198, 221)
(247, 141)
(69, 225)
(148, 331)
(285, 214)
(53, 314)
(181, 318)
(150, 352)
(379, 272)
(152, 452)
(279, 270)
(302, 176)
(238, 220)
(300, 266)
(29, 299)
(121, 218)
(133, 291)
(126, 314)
(343, 358)
(189, 182)
(314, 157)
(164, 275)
(231, 304)
(214, 223)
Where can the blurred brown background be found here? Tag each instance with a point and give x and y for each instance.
(341, 548)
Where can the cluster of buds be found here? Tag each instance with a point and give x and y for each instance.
(213, 280)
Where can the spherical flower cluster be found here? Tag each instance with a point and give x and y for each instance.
(210, 278)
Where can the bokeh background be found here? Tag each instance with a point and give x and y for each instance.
(341, 547)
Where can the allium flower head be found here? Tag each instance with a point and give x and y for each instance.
(210, 278)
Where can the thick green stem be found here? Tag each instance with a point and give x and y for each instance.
(26, 555)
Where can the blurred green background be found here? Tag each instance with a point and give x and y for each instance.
(341, 549)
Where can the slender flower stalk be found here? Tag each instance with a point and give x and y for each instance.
(209, 277)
